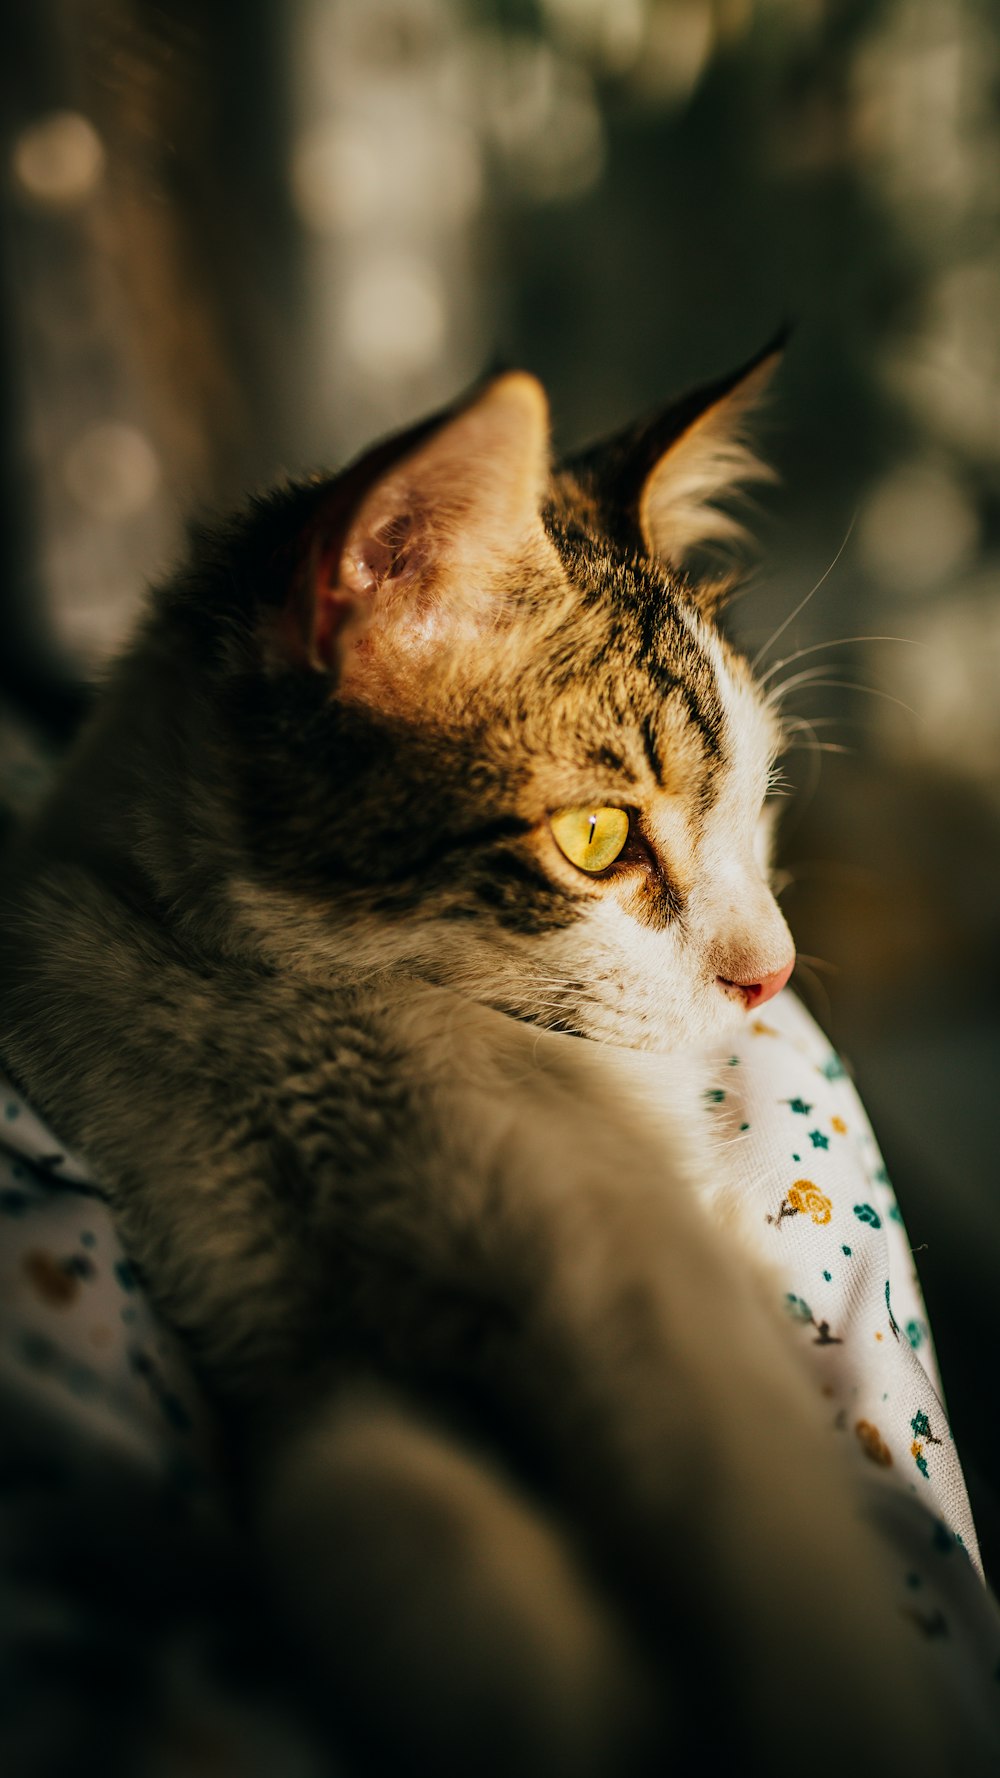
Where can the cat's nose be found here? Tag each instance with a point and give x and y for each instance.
(755, 993)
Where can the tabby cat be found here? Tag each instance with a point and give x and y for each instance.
(366, 949)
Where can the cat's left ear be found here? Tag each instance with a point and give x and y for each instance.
(657, 485)
(418, 544)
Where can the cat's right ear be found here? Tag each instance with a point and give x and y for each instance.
(417, 540)
(658, 485)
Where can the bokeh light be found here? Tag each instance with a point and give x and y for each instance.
(394, 314)
(918, 526)
(111, 470)
(59, 160)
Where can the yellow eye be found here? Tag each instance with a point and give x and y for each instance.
(590, 838)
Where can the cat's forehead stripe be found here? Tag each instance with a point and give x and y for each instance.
(752, 737)
(672, 701)
(609, 759)
(654, 758)
(672, 655)
(684, 733)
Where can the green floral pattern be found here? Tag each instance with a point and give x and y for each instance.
(816, 1204)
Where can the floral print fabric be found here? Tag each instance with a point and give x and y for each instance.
(76, 1329)
(818, 1208)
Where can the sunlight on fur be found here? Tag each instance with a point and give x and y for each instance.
(400, 1108)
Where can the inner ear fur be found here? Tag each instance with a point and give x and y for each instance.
(408, 547)
(656, 485)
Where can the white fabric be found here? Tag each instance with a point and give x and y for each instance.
(819, 1207)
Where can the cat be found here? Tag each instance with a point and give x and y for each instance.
(366, 947)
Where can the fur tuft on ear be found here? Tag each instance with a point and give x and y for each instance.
(712, 458)
(658, 484)
(408, 549)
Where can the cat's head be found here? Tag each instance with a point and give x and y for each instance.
(483, 725)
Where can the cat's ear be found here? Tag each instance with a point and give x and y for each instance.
(417, 536)
(658, 484)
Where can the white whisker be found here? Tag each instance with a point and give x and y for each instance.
(803, 969)
(839, 642)
(819, 963)
(808, 676)
(825, 721)
(792, 615)
(874, 691)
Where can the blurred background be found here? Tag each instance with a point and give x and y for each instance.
(245, 238)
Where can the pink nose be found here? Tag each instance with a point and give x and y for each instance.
(755, 993)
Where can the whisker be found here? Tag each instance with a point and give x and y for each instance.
(873, 691)
(825, 721)
(803, 969)
(812, 744)
(792, 615)
(839, 642)
(819, 963)
(813, 747)
(808, 676)
(811, 676)
(817, 746)
(792, 725)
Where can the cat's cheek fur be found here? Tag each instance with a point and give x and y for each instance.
(645, 987)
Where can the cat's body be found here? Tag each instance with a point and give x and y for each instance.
(496, 1381)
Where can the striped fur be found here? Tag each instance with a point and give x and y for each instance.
(494, 1383)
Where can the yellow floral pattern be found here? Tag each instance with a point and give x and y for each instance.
(808, 1200)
